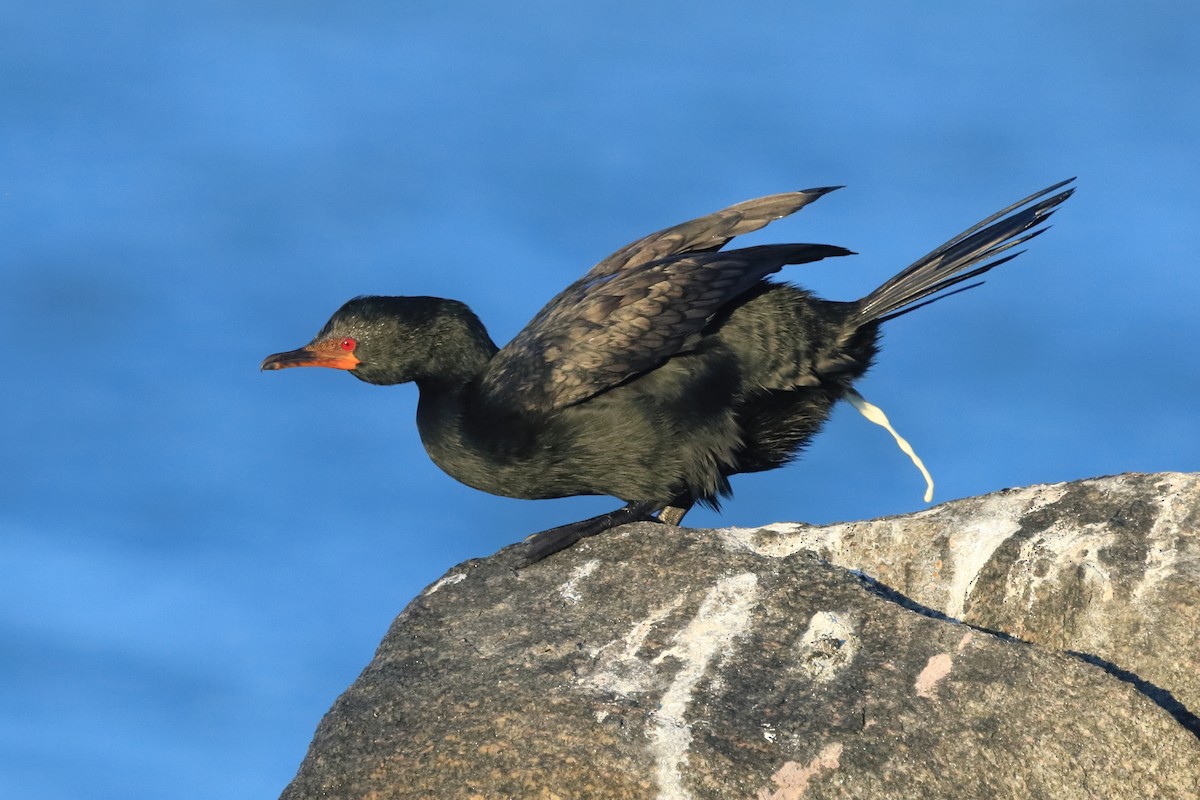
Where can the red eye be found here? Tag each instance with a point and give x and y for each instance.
(348, 344)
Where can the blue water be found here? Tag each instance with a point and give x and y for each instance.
(196, 558)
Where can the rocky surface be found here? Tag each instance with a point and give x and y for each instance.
(675, 663)
(1107, 568)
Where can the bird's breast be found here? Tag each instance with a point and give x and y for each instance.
(503, 453)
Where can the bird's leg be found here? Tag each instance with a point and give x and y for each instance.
(673, 513)
(550, 541)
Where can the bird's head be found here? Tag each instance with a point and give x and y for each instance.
(387, 340)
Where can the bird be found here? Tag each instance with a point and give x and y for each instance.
(670, 366)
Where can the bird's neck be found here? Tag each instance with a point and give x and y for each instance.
(460, 349)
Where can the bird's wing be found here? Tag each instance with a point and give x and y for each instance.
(707, 233)
(607, 328)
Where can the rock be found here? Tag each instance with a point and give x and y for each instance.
(1106, 568)
(675, 663)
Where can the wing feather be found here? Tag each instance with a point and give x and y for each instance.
(601, 332)
(711, 232)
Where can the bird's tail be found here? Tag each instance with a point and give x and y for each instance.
(964, 257)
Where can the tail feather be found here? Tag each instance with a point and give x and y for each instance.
(960, 259)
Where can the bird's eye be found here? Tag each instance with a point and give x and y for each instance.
(348, 344)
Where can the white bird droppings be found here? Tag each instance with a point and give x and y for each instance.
(827, 647)
(723, 615)
(449, 580)
(569, 590)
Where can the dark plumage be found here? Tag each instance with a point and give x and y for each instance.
(671, 365)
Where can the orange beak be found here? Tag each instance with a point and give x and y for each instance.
(328, 353)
